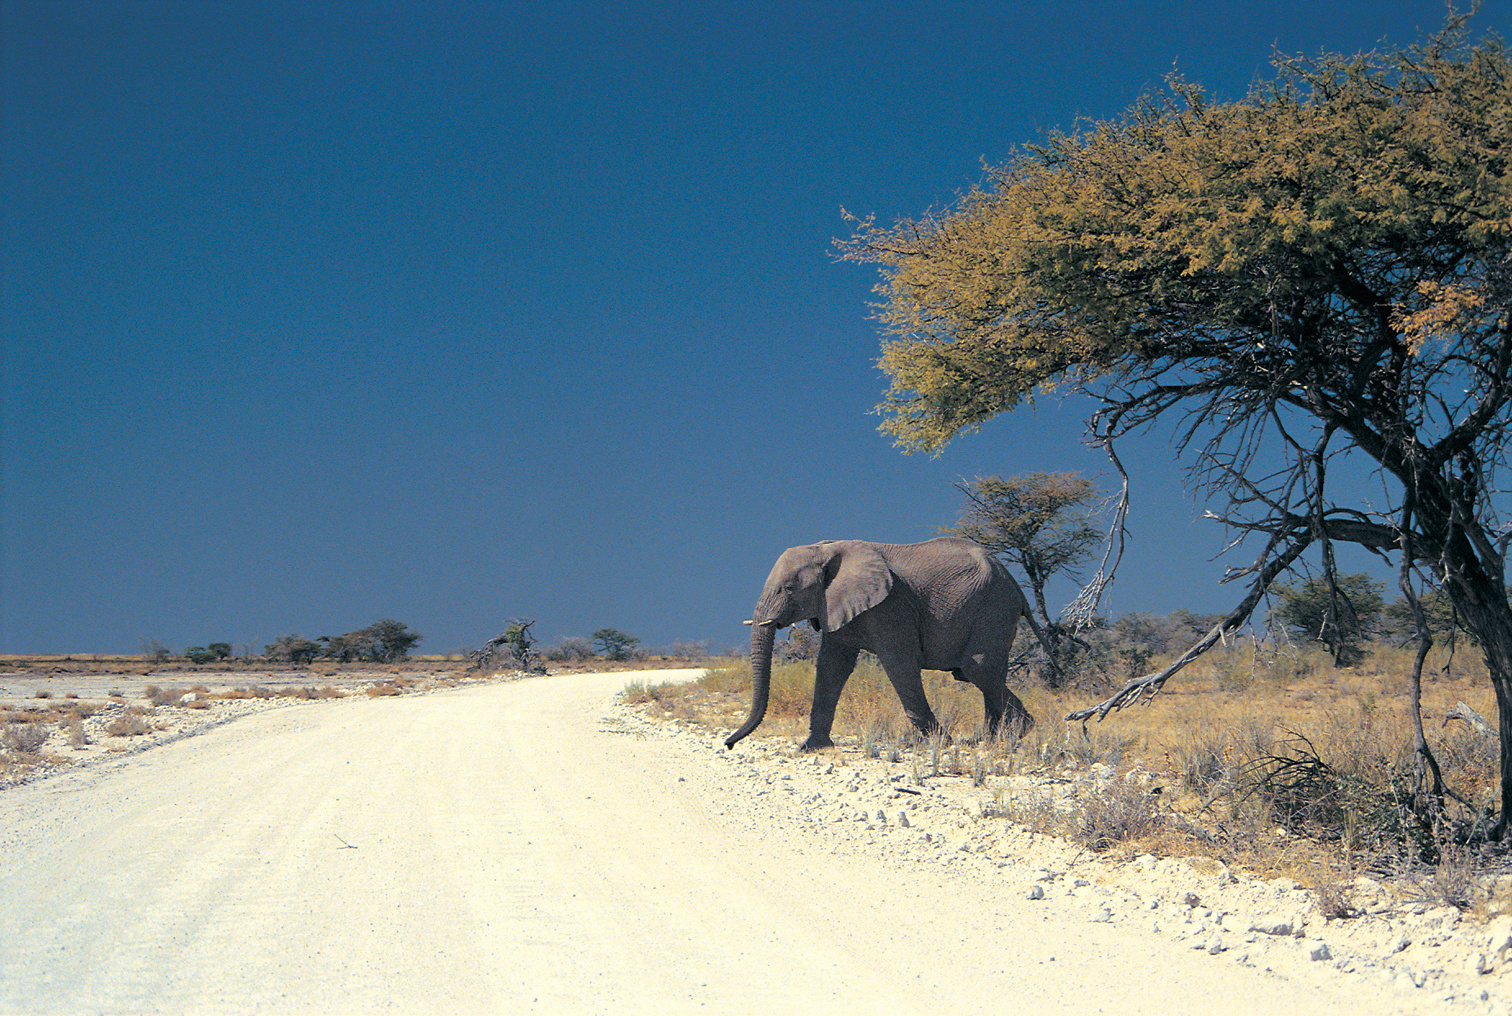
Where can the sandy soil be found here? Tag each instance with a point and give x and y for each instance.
(533, 847)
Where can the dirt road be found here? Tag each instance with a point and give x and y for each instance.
(519, 848)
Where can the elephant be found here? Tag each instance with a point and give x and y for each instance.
(945, 604)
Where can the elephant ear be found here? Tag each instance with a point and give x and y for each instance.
(861, 580)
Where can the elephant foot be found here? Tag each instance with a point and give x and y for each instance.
(816, 743)
(1012, 729)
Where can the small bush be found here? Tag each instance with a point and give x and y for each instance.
(24, 737)
(163, 696)
(1115, 812)
(128, 724)
(1035, 812)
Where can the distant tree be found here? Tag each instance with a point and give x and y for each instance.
(207, 653)
(390, 640)
(515, 642)
(1194, 625)
(1041, 522)
(343, 648)
(1342, 613)
(292, 649)
(383, 641)
(1399, 622)
(614, 644)
(685, 650)
(156, 651)
(801, 643)
(572, 649)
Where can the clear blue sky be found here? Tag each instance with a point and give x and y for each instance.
(316, 313)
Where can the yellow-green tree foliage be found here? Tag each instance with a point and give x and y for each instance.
(1348, 215)
(1322, 267)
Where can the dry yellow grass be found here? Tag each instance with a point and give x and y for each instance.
(1203, 747)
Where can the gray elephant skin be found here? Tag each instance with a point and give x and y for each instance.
(946, 604)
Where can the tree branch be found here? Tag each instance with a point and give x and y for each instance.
(1142, 689)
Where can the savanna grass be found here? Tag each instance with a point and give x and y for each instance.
(1214, 765)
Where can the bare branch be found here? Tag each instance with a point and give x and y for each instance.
(1080, 611)
(1145, 688)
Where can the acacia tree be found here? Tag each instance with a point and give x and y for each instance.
(1341, 614)
(521, 645)
(1038, 521)
(1316, 269)
(613, 643)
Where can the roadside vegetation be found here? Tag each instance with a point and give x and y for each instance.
(1266, 756)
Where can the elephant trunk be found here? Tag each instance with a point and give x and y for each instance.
(762, 636)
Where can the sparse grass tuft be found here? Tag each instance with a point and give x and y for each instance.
(163, 696)
(128, 724)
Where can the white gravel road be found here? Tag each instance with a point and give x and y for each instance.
(530, 847)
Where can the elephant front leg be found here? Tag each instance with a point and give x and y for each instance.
(831, 672)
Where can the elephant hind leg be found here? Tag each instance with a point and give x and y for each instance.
(1016, 720)
(1006, 714)
(908, 682)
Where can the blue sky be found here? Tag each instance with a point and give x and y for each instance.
(318, 313)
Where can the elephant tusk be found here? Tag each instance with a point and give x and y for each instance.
(748, 623)
(769, 622)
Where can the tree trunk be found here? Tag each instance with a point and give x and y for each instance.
(1481, 601)
(762, 636)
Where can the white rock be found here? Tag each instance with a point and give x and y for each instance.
(1036, 892)
(1499, 938)
(1319, 952)
(1442, 917)
(1270, 924)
